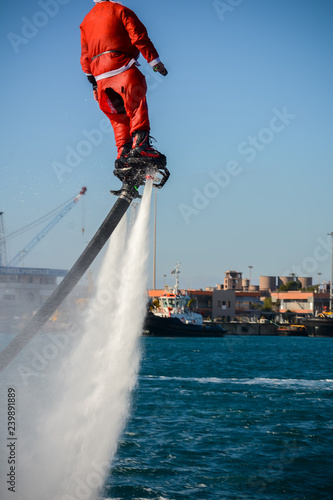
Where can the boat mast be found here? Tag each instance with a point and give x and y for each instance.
(177, 272)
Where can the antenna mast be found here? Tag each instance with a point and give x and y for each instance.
(177, 273)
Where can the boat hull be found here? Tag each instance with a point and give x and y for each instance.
(319, 327)
(293, 331)
(157, 326)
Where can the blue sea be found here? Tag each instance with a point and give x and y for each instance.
(232, 418)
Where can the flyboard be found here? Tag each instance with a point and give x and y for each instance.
(127, 193)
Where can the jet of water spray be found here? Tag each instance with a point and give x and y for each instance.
(78, 412)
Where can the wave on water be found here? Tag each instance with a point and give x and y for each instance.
(285, 383)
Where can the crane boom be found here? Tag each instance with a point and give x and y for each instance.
(127, 193)
(46, 229)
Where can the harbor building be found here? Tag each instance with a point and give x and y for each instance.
(202, 301)
(302, 303)
(245, 302)
(23, 290)
(224, 305)
(233, 281)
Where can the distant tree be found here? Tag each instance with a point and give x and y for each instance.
(314, 288)
(290, 286)
(269, 305)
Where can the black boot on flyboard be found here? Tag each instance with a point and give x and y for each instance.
(141, 162)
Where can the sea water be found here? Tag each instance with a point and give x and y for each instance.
(232, 418)
(69, 392)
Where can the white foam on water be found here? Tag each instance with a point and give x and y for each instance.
(75, 414)
(261, 381)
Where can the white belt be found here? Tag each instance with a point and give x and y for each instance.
(115, 72)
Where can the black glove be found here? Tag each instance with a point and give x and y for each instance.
(160, 68)
(92, 80)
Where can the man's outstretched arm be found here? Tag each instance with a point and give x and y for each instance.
(140, 39)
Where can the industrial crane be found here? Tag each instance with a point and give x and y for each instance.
(127, 193)
(46, 229)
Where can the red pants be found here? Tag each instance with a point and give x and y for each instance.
(123, 99)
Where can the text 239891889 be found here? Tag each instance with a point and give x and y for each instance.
(11, 412)
(11, 439)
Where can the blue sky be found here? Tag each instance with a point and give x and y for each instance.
(244, 117)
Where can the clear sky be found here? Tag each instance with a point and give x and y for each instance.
(244, 117)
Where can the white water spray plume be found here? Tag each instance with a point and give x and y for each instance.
(71, 413)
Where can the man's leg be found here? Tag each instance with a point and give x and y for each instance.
(137, 109)
(112, 104)
(132, 87)
(123, 100)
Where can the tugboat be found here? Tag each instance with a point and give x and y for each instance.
(172, 317)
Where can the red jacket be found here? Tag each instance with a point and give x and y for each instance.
(110, 26)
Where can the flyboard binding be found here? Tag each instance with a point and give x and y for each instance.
(135, 173)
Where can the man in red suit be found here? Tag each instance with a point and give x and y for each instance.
(112, 38)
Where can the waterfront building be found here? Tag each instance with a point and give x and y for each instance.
(245, 303)
(202, 301)
(224, 305)
(26, 288)
(302, 303)
(23, 290)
